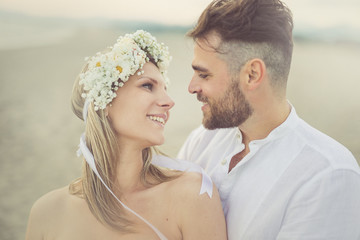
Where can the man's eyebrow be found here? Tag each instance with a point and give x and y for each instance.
(198, 68)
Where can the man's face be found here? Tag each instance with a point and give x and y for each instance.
(224, 103)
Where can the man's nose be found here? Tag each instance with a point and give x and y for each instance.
(194, 86)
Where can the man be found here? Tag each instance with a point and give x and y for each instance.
(278, 177)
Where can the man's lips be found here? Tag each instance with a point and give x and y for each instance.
(203, 100)
(204, 106)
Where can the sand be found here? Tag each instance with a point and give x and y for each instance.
(39, 133)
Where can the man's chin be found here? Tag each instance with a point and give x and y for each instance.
(210, 125)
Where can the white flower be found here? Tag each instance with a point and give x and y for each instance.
(108, 71)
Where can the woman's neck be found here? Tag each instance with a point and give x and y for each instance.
(129, 169)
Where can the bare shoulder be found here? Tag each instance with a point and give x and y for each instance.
(188, 184)
(186, 189)
(51, 202)
(200, 216)
(42, 213)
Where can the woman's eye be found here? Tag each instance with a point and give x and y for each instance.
(148, 86)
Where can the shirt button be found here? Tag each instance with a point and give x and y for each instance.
(223, 162)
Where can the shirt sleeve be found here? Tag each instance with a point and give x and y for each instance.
(327, 207)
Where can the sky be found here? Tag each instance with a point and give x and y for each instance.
(318, 13)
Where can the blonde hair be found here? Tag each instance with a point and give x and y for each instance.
(102, 142)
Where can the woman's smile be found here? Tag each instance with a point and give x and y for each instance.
(159, 119)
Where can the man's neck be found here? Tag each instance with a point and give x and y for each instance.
(263, 122)
(259, 127)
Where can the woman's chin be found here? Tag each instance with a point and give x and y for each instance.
(156, 142)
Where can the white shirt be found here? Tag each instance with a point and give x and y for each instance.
(297, 183)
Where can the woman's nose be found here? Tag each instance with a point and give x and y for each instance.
(166, 101)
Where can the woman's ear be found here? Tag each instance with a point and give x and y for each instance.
(254, 73)
(106, 110)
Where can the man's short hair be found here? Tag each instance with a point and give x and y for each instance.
(250, 29)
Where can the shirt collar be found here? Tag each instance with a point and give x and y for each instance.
(290, 123)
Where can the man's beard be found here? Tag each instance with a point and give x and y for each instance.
(231, 110)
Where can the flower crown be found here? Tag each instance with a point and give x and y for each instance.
(106, 72)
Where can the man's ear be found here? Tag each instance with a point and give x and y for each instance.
(254, 72)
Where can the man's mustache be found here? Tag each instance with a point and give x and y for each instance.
(201, 98)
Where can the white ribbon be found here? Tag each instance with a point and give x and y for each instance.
(85, 109)
(185, 166)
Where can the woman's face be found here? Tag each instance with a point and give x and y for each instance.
(141, 109)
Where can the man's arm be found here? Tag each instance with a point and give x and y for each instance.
(327, 207)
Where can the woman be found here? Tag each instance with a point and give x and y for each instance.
(121, 96)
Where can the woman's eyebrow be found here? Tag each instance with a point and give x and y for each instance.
(150, 78)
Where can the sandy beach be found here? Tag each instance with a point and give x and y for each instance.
(40, 134)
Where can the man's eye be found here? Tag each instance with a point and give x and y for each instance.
(203, 75)
(148, 86)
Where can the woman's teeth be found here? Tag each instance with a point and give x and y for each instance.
(158, 119)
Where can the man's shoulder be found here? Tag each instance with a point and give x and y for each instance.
(319, 143)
